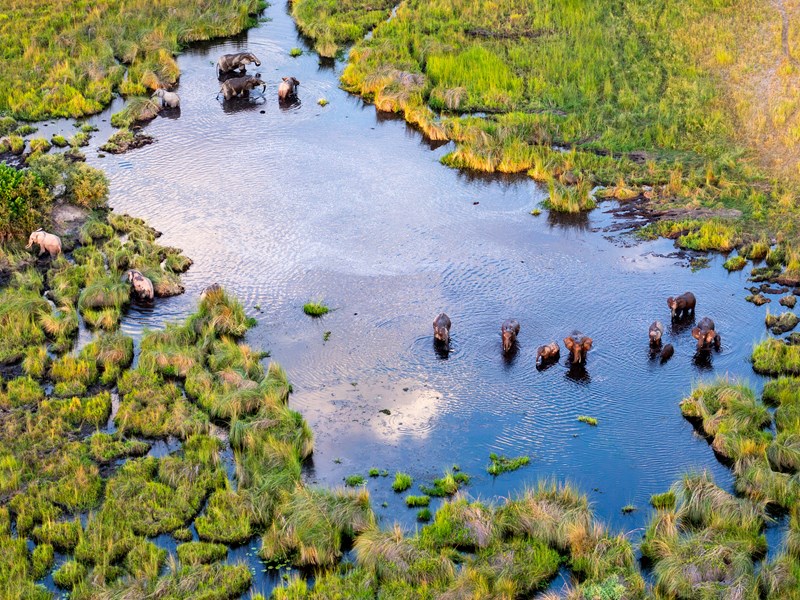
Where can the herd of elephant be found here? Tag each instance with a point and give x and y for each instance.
(232, 68)
(578, 345)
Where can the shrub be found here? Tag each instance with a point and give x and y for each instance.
(87, 186)
(24, 203)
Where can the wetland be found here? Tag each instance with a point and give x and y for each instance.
(336, 205)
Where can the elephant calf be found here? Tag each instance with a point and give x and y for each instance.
(141, 285)
(441, 329)
(682, 305)
(170, 99)
(509, 331)
(666, 353)
(237, 61)
(547, 353)
(288, 88)
(706, 335)
(578, 345)
(48, 242)
(241, 86)
(656, 331)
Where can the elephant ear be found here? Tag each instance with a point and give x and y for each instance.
(587, 344)
(696, 333)
(670, 300)
(569, 343)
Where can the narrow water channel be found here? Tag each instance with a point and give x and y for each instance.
(344, 204)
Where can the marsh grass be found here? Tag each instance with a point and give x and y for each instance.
(735, 263)
(569, 199)
(198, 553)
(402, 481)
(588, 420)
(417, 501)
(447, 485)
(315, 309)
(502, 464)
(773, 357)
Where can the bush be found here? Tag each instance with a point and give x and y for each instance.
(87, 186)
(24, 203)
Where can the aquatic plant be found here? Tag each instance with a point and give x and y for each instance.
(315, 309)
(735, 263)
(773, 357)
(354, 480)
(199, 553)
(569, 199)
(588, 420)
(402, 481)
(415, 501)
(502, 464)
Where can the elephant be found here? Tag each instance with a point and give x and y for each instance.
(213, 288)
(288, 88)
(547, 353)
(656, 331)
(142, 286)
(706, 335)
(234, 62)
(509, 331)
(666, 353)
(681, 305)
(441, 329)
(578, 345)
(47, 242)
(241, 86)
(170, 99)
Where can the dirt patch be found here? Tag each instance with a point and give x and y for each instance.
(68, 219)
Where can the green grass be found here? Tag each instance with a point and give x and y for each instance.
(588, 420)
(773, 357)
(665, 501)
(502, 464)
(735, 263)
(627, 509)
(354, 480)
(402, 481)
(200, 553)
(447, 485)
(65, 61)
(295, 52)
(315, 309)
(417, 501)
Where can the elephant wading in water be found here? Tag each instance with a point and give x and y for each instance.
(656, 331)
(578, 345)
(441, 329)
(236, 62)
(547, 353)
(706, 335)
(47, 242)
(169, 99)
(241, 86)
(142, 286)
(509, 331)
(287, 90)
(682, 305)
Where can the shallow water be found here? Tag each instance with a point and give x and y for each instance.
(283, 205)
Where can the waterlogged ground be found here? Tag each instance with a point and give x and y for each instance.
(284, 205)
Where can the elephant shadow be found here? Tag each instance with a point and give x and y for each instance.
(238, 105)
(681, 325)
(170, 113)
(441, 349)
(291, 103)
(702, 360)
(577, 373)
(510, 356)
